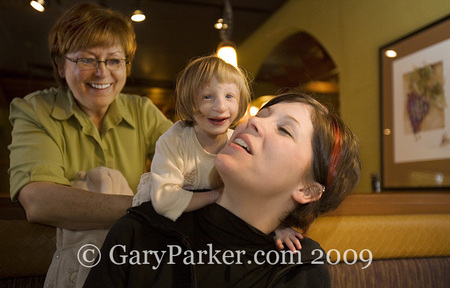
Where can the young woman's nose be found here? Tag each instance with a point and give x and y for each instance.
(256, 124)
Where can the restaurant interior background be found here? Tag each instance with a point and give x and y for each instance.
(328, 47)
(294, 43)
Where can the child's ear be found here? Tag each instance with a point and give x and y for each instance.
(309, 194)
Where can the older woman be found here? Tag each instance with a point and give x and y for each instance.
(85, 123)
(289, 164)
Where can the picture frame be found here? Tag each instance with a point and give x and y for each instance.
(415, 109)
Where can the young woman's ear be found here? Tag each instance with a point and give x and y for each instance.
(309, 194)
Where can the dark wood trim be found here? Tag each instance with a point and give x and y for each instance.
(11, 210)
(394, 203)
(355, 204)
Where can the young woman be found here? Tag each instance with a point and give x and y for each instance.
(289, 164)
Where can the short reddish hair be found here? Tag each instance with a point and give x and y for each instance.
(88, 25)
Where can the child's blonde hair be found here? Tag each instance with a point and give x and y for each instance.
(199, 73)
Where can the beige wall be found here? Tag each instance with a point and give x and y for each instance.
(351, 31)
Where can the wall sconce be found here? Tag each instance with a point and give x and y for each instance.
(38, 5)
(325, 87)
(226, 49)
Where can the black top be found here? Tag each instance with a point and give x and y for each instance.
(210, 247)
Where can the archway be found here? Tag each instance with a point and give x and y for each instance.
(302, 63)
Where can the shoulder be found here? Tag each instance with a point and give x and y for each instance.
(139, 106)
(138, 228)
(127, 245)
(312, 252)
(305, 276)
(145, 217)
(38, 104)
(178, 129)
(36, 100)
(132, 100)
(142, 111)
(313, 272)
(177, 134)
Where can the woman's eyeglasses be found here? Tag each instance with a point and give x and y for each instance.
(92, 63)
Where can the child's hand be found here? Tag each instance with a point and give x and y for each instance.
(288, 236)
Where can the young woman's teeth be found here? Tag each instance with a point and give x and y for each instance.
(242, 143)
(100, 86)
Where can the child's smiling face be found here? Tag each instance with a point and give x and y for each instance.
(217, 105)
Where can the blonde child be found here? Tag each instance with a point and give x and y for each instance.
(211, 95)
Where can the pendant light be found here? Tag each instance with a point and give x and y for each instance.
(38, 5)
(226, 49)
(138, 15)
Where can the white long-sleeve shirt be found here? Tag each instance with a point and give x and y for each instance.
(180, 165)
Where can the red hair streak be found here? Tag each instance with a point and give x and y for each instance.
(336, 152)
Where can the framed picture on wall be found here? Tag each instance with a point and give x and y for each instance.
(415, 109)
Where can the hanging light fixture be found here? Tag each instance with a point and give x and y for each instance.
(226, 49)
(138, 15)
(38, 5)
(227, 52)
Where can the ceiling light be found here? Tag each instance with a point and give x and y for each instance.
(38, 5)
(227, 52)
(220, 25)
(226, 49)
(138, 16)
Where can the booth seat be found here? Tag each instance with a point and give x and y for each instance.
(407, 234)
(406, 250)
(26, 251)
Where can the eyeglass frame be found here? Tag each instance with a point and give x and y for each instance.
(98, 62)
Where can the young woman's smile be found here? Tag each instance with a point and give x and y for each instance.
(277, 139)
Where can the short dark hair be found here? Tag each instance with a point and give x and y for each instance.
(335, 162)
